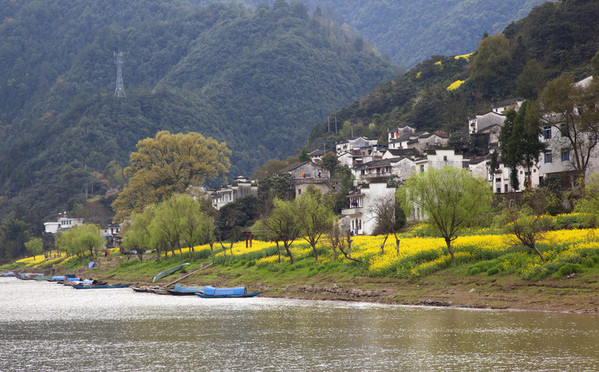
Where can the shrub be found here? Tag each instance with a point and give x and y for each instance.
(567, 269)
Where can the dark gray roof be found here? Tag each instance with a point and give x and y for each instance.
(489, 119)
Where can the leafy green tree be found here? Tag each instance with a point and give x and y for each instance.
(241, 213)
(531, 81)
(283, 224)
(34, 246)
(519, 140)
(13, 235)
(138, 235)
(492, 61)
(572, 111)
(331, 163)
(451, 199)
(169, 164)
(315, 217)
(79, 240)
(279, 185)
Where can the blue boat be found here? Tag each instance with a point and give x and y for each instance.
(179, 290)
(100, 286)
(8, 274)
(211, 292)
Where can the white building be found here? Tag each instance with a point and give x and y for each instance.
(63, 223)
(362, 205)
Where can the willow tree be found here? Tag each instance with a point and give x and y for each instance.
(450, 198)
(315, 217)
(169, 164)
(283, 224)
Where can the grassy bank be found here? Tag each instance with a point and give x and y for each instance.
(490, 271)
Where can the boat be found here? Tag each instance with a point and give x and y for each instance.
(169, 272)
(28, 276)
(145, 289)
(7, 274)
(105, 286)
(43, 277)
(179, 290)
(211, 292)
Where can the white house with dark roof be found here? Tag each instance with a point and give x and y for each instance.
(353, 143)
(362, 204)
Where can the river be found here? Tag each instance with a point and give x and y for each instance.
(49, 327)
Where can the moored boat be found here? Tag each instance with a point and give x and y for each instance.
(105, 286)
(179, 290)
(169, 272)
(211, 292)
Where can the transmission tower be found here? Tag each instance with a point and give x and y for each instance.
(120, 88)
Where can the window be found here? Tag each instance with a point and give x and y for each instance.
(548, 157)
(565, 155)
(547, 132)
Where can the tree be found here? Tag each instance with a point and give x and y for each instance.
(13, 235)
(527, 227)
(34, 246)
(315, 217)
(589, 204)
(80, 239)
(169, 164)
(283, 224)
(389, 219)
(492, 62)
(531, 81)
(451, 198)
(331, 163)
(89, 238)
(138, 235)
(519, 141)
(572, 110)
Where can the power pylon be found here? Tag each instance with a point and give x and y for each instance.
(120, 88)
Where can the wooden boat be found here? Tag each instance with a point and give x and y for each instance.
(179, 290)
(106, 286)
(169, 272)
(211, 292)
(145, 289)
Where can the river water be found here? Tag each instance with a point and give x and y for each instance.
(50, 327)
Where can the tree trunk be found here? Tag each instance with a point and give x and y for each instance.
(396, 243)
(315, 252)
(534, 246)
(383, 244)
(224, 252)
(450, 249)
(192, 253)
(278, 250)
(231, 256)
(212, 251)
(286, 245)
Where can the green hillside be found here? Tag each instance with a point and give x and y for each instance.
(256, 79)
(411, 31)
(553, 39)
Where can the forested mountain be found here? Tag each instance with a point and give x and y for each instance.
(411, 31)
(257, 79)
(442, 92)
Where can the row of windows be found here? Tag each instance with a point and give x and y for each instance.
(565, 156)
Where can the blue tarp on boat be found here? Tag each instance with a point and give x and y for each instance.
(182, 289)
(237, 291)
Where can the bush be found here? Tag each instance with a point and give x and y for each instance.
(567, 269)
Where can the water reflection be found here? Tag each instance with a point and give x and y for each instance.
(48, 327)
